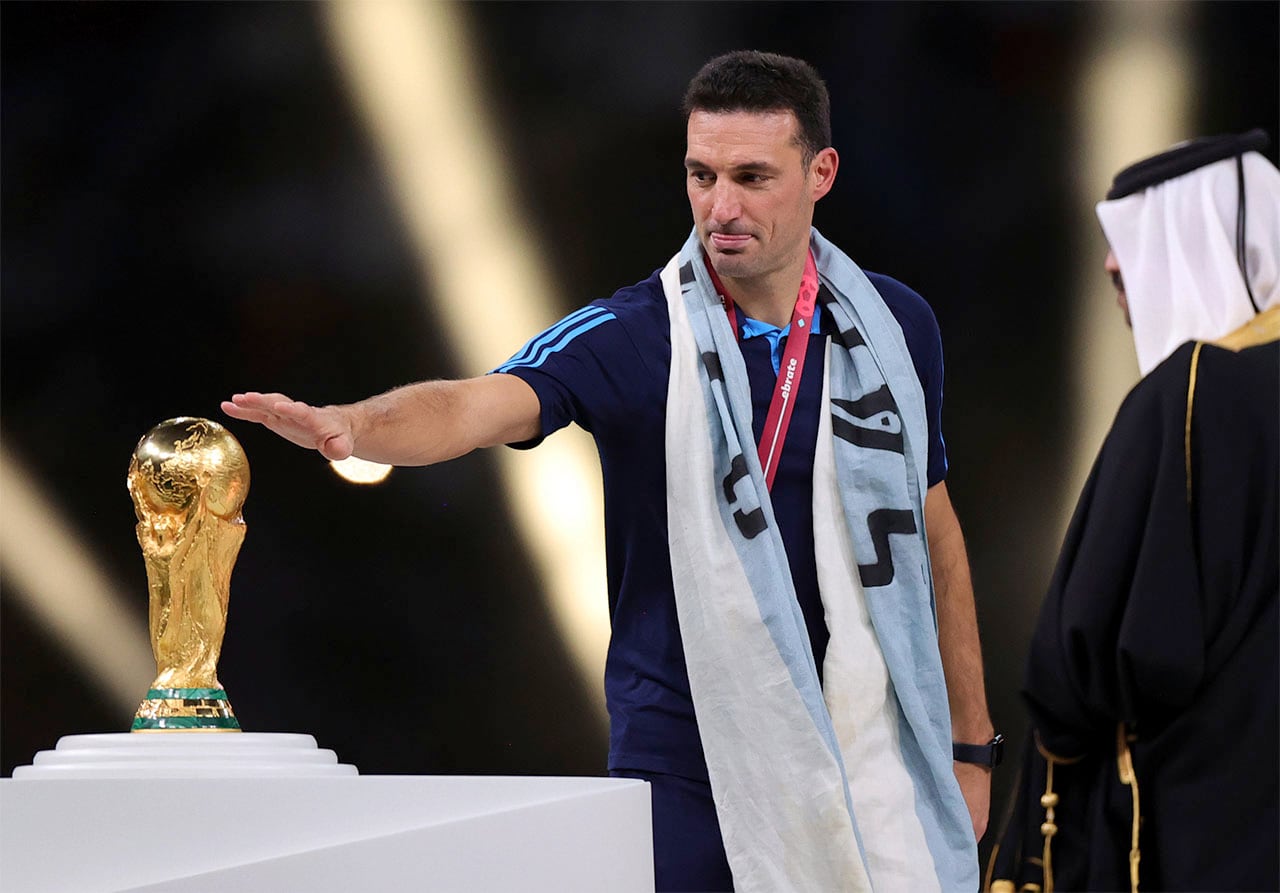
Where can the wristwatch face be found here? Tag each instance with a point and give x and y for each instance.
(997, 750)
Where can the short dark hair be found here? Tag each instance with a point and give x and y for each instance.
(753, 81)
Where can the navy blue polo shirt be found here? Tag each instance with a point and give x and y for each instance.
(606, 367)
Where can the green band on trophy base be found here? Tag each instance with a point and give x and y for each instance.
(185, 708)
(212, 723)
(186, 694)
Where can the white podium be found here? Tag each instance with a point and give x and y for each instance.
(98, 821)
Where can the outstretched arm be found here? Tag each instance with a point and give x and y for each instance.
(960, 648)
(418, 424)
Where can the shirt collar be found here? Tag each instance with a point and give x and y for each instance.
(753, 328)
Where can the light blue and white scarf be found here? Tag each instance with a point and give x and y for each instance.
(849, 787)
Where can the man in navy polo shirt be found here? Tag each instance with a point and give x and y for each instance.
(780, 623)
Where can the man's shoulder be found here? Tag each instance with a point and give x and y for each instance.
(640, 311)
(906, 304)
(633, 317)
(606, 328)
(1221, 400)
(1250, 367)
(1164, 388)
(914, 316)
(645, 297)
(1210, 378)
(1205, 363)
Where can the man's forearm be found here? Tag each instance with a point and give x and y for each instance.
(958, 640)
(961, 652)
(960, 649)
(431, 421)
(410, 425)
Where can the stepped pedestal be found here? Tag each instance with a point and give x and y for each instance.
(210, 811)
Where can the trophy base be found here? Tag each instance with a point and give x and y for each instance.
(194, 755)
(185, 709)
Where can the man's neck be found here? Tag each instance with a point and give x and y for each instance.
(770, 298)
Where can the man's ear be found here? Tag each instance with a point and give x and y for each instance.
(822, 172)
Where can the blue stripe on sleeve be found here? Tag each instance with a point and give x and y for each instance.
(537, 342)
(537, 351)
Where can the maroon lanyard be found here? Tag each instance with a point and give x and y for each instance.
(791, 369)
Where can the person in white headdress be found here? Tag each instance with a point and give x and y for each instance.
(1195, 242)
(1153, 680)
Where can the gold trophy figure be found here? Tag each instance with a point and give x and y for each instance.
(188, 479)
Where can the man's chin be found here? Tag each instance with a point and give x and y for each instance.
(730, 264)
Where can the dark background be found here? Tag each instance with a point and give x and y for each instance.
(192, 206)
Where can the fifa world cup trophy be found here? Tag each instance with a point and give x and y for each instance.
(188, 479)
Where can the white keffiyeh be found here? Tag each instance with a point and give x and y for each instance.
(1176, 245)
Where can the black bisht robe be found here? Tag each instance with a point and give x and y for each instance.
(1162, 615)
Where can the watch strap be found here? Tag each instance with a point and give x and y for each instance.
(989, 754)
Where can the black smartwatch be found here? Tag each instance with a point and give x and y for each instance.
(989, 754)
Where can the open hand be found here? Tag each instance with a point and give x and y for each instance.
(323, 428)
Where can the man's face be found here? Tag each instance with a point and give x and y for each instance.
(1112, 266)
(751, 194)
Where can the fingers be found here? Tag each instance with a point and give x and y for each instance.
(253, 398)
(294, 410)
(244, 413)
(262, 402)
(306, 426)
(261, 408)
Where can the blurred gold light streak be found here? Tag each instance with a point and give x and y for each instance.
(54, 577)
(409, 66)
(1133, 101)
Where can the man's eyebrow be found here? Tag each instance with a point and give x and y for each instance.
(746, 167)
